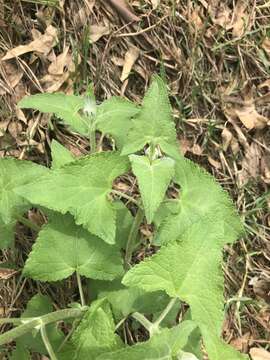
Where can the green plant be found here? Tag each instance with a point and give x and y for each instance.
(93, 231)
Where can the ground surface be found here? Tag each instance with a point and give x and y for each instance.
(215, 56)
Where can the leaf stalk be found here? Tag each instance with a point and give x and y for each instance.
(29, 324)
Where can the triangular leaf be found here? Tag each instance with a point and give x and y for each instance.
(63, 247)
(154, 124)
(200, 196)
(60, 155)
(94, 335)
(191, 270)
(164, 345)
(66, 107)
(125, 301)
(153, 178)
(82, 188)
(40, 305)
(114, 118)
(14, 173)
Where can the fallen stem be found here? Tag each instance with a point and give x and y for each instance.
(123, 195)
(29, 324)
(132, 236)
(47, 343)
(28, 223)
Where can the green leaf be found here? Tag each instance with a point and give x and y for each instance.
(191, 270)
(94, 335)
(125, 301)
(114, 118)
(60, 155)
(186, 356)
(65, 107)
(200, 198)
(154, 124)
(164, 345)
(153, 178)
(14, 173)
(124, 221)
(62, 248)
(20, 353)
(6, 234)
(40, 305)
(82, 188)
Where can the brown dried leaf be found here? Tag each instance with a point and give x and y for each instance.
(245, 110)
(216, 164)
(250, 163)
(266, 45)
(155, 4)
(265, 168)
(97, 31)
(226, 138)
(59, 72)
(124, 10)
(11, 74)
(259, 354)
(266, 83)
(42, 44)
(130, 58)
(241, 343)
(240, 19)
(220, 13)
(251, 118)
(57, 66)
(195, 18)
(6, 274)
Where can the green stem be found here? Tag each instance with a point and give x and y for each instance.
(47, 343)
(165, 312)
(132, 236)
(143, 320)
(154, 328)
(92, 139)
(79, 282)
(30, 324)
(28, 223)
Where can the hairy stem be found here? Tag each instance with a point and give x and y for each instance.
(92, 139)
(79, 282)
(154, 328)
(132, 236)
(30, 324)
(143, 320)
(47, 343)
(165, 312)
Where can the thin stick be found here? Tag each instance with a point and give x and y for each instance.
(123, 195)
(79, 282)
(47, 343)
